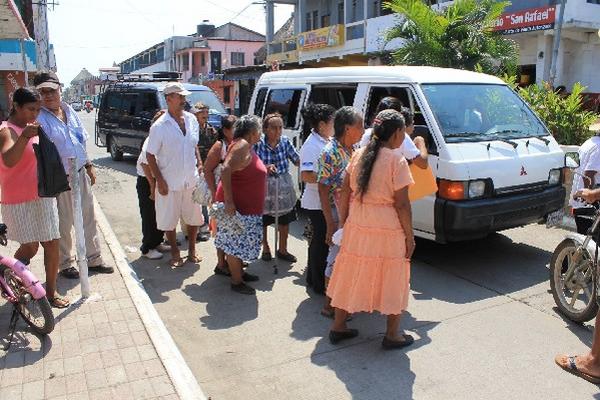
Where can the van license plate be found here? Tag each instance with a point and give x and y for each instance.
(555, 218)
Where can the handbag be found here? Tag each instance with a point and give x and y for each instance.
(201, 194)
(232, 224)
(425, 183)
(52, 178)
(285, 201)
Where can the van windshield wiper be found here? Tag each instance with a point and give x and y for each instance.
(462, 134)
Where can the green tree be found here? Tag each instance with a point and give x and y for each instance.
(458, 36)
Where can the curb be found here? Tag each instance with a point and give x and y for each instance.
(183, 380)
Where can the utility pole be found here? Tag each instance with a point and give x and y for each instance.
(556, 44)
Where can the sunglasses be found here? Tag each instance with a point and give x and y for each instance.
(47, 91)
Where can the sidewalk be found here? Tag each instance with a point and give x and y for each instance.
(100, 349)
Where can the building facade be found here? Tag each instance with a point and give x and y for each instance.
(350, 32)
(203, 57)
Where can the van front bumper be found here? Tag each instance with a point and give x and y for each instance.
(475, 219)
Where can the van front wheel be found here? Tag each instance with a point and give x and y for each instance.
(115, 153)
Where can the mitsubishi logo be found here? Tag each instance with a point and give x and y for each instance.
(523, 171)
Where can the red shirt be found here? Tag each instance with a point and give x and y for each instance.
(19, 184)
(249, 187)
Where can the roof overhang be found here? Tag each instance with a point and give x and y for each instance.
(11, 23)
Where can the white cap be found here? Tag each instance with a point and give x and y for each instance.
(176, 87)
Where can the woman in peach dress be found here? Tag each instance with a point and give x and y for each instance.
(372, 270)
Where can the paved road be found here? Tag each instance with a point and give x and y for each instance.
(481, 310)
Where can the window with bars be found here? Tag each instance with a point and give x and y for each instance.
(237, 58)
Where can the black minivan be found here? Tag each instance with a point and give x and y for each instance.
(128, 105)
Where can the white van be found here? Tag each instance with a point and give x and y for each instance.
(497, 165)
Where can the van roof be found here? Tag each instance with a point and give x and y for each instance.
(391, 74)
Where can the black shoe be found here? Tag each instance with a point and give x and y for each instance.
(69, 273)
(395, 344)
(203, 237)
(101, 269)
(242, 288)
(286, 257)
(266, 256)
(221, 271)
(336, 337)
(249, 277)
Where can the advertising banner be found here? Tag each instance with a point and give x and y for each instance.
(330, 36)
(528, 20)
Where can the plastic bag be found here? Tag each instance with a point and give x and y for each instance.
(201, 194)
(287, 195)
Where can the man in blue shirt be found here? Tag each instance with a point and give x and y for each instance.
(64, 128)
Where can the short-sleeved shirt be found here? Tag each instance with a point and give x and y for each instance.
(331, 166)
(589, 160)
(280, 156)
(309, 155)
(142, 159)
(175, 152)
(208, 137)
(407, 148)
(70, 138)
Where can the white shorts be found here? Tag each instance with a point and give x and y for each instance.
(175, 205)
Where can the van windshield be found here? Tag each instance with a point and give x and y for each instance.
(480, 112)
(205, 96)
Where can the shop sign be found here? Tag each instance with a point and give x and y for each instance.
(530, 20)
(330, 36)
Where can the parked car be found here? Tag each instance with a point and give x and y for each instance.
(77, 106)
(497, 165)
(128, 106)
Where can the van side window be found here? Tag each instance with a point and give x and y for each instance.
(378, 93)
(128, 104)
(285, 102)
(336, 96)
(111, 103)
(148, 103)
(260, 102)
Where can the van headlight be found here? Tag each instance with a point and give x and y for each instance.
(464, 190)
(555, 177)
(476, 189)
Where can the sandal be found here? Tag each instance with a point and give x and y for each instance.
(194, 259)
(69, 273)
(286, 257)
(222, 271)
(266, 256)
(176, 262)
(571, 367)
(58, 301)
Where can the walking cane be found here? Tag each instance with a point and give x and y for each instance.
(275, 270)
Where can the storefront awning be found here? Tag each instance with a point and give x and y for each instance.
(11, 24)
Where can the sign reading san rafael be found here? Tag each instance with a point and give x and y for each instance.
(530, 20)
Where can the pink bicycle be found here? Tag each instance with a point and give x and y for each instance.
(19, 286)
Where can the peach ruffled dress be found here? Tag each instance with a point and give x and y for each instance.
(371, 272)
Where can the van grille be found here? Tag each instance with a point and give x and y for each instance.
(520, 189)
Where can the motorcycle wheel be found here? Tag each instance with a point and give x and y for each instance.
(575, 297)
(36, 312)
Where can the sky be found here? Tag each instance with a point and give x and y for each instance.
(94, 34)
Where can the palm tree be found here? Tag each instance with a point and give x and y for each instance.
(458, 36)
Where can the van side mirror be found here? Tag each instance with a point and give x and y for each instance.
(572, 160)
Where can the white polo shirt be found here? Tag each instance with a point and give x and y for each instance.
(175, 152)
(309, 154)
(142, 159)
(407, 148)
(589, 160)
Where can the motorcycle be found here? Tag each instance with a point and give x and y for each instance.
(574, 267)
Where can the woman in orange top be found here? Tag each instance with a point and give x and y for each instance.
(31, 220)
(372, 270)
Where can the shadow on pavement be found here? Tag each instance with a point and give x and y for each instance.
(127, 166)
(159, 278)
(368, 371)
(496, 263)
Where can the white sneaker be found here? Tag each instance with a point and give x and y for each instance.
(163, 248)
(153, 254)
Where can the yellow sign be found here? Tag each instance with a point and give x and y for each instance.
(330, 36)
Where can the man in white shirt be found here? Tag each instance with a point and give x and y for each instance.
(589, 166)
(175, 163)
